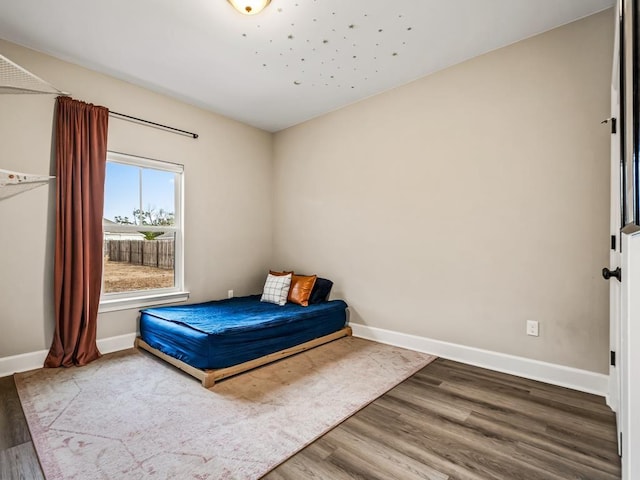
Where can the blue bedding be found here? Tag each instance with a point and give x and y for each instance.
(228, 332)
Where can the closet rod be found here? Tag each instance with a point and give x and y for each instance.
(136, 119)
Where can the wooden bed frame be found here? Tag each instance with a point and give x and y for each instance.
(210, 377)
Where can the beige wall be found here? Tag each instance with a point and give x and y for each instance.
(460, 205)
(228, 169)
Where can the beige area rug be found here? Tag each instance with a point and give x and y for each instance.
(132, 416)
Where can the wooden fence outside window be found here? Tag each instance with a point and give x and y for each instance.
(151, 253)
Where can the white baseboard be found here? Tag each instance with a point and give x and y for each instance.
(115, 344)
(33, 360)
(551, 373)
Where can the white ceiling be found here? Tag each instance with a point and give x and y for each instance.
(296, 60)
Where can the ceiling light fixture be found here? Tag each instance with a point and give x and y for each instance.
(249, 7)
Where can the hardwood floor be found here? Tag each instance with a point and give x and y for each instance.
(18, 459)
(448, 421)
(454, 421)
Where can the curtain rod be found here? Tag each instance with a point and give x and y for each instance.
(136, 119)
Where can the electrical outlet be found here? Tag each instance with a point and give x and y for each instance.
(230, 294)
(532, 328)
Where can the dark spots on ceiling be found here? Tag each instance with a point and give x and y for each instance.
(352, 45)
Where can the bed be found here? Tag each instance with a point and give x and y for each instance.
(215, 340)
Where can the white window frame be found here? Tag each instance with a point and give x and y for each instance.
(144, 298)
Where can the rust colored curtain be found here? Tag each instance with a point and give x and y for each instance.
(81, 157)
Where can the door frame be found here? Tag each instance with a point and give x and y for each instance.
(613, 397)
(629, 411)
(628, 335)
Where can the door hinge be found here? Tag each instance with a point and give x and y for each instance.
(620, 446)
(613, 242)
(613, 358)
(613, 123)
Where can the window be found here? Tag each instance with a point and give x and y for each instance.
(142, 223)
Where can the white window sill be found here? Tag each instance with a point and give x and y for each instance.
(115, 304)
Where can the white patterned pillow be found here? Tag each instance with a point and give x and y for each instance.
(276, 289)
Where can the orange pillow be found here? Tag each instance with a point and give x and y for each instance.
(300, 290)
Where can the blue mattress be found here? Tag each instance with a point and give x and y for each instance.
(223, 333)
